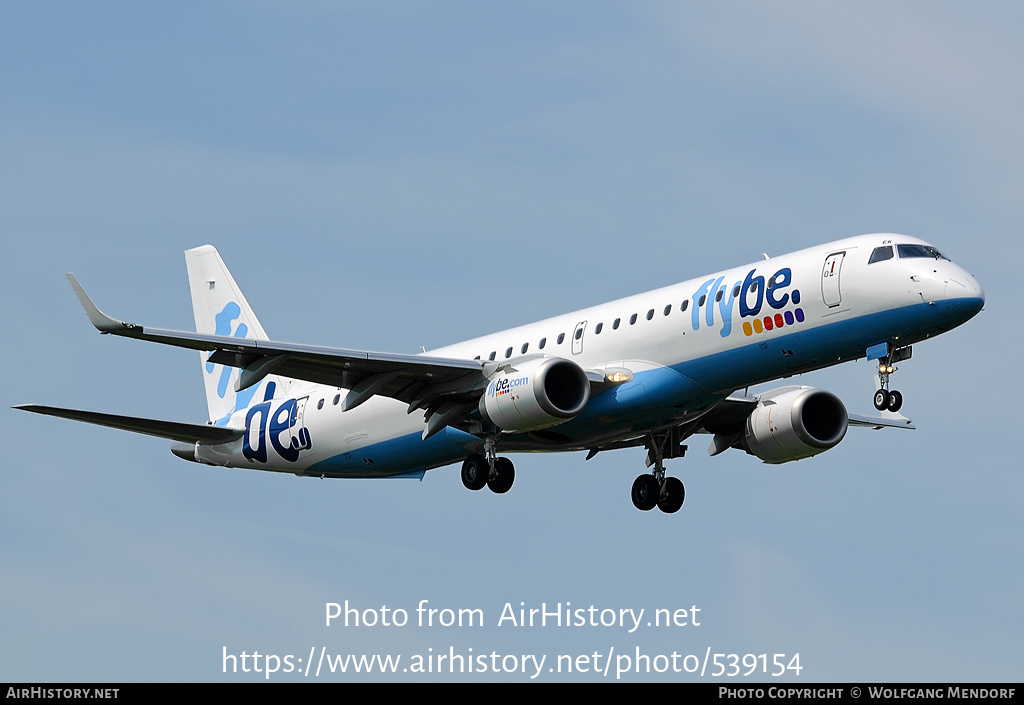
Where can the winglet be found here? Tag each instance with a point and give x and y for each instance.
(103, 322)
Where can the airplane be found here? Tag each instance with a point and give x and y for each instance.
(649, 370)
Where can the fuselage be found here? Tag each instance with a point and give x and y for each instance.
(684, 348)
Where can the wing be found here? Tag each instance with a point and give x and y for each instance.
(726, 422)
(731, 413)
(415, 379)
(447, 388)
(734, 409)
(877, 422)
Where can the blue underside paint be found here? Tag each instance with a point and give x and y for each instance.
(399, 456)
(657, 396)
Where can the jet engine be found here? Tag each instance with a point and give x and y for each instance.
(535, 394)
(793, 423)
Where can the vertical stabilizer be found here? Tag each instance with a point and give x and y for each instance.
(220, 309)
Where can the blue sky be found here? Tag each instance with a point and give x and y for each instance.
(386, 176)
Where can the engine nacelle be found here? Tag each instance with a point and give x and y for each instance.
(535, 394)
(793, 423)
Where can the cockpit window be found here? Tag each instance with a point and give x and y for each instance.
(880, 254)
(911, 251)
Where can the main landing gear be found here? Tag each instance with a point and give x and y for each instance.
(649, 491)
(496, 473)
(655, 489)
(886, 399)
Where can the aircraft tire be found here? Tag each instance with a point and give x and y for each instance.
(475, 472)
(506, 476)
(674, 495)
(645, 492)
(895, 401)
(881, 400)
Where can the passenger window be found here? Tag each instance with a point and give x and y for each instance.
(561, 337)
(579, 333)
(718, 296)
(525, 347)
(632, 319)
(508, 353)
(685, 305)
(880, 254)
(320, 404)
(703, 298)
(337, 397)
(598, 328)
(650, 314)
(491, 356)
(668, 309)
(543, 342)
(615, 323)
(736, 291)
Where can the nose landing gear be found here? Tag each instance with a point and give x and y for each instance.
(886, 399)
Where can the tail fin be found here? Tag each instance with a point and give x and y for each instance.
(220, 309)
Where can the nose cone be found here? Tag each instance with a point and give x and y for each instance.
(977, 291)
(966, 286)
(965, 293)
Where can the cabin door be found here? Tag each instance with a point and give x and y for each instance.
(577, 338)
(830, 290)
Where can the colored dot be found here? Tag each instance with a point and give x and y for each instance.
(747, 330)
(778, 320)
(796, 296)
(800, 315)
(768, 325)
(789, 318)
(757, 325)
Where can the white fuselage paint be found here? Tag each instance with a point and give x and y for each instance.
(845, 306)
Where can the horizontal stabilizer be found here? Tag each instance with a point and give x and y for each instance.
(186, 432)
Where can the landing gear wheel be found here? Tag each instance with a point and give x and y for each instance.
(882, 400)
(672, 495)
(645, 492)
(506, 475)
(475, 472)
(895, 401)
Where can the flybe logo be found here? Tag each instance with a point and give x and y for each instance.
(763, 304)
(505, 385)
